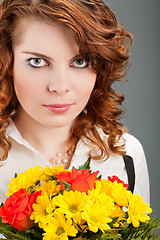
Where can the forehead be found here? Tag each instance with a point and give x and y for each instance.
(43, 36)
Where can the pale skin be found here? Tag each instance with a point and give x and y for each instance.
(60, 76)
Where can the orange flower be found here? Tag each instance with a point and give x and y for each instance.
(17, 209)
(80, 180)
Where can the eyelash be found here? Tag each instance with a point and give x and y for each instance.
(76, 59)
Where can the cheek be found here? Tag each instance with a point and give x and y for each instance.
(23, 84)
(86, 84)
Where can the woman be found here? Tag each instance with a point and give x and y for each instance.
(59, 60)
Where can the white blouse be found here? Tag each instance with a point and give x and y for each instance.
(22, 156)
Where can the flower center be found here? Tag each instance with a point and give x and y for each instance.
(60, 231)
(93, 219)
(73, 208)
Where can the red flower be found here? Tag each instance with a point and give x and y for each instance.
(80, 180)
(115, 178)
(17, 209)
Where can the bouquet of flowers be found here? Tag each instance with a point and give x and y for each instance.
(57, 203)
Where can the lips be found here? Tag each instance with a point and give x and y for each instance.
(58, 108)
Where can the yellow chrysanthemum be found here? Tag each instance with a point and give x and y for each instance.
(50, 188)
(29, 178)
(43, 210)
(51, 172)
(118, 212)
(71, 203)
(59, 228)
(137, 210)
(116, 191)
(96, 217)
(99, 186)
(102, 199)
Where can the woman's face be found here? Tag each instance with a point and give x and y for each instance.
(52, 82)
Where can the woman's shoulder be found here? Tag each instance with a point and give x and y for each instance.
(134, 149)
(132, 145)
(131, 139)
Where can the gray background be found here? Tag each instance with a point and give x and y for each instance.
(141, 17)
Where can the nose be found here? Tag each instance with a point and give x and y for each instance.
(59, 82)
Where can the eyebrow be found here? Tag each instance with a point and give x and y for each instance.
(43, 56)
(39, 55)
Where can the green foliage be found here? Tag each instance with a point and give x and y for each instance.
(143, 232)
(86, 165)
(15, 175)
(101, 236)
(1, 204)
(114, 236)
(11, 233)
(66, 185)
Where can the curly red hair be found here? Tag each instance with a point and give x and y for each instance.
(101, 40)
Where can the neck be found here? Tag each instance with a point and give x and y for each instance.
(47, 140)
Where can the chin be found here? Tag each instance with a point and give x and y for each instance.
(58, 124)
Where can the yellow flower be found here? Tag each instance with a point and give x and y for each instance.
(25, 180)
(117, 192)
(42, 210)
(51, 172)
(71, 203)
(102, 199)
(137, 210)
(50, 188)
(118, 212)
(96, 217)
(101, 184)
(59, 228)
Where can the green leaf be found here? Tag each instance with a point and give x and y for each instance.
(1, 204)
(143, 232)
(114, 220)
(106, 236)
(99, 177)
(114, 236)
(86, 165)
(15, 175)
(66, 185)
(12, 233)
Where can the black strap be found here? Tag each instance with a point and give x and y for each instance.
(130, 172)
